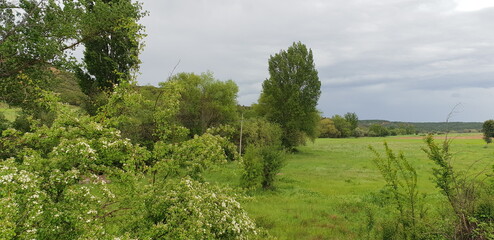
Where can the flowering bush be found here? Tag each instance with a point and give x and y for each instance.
(80, 179)
(53, 180)
(187, 209)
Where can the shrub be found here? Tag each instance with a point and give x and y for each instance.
(189, 158)
(401, 182)
(260, 132)
(187, 209)
(261, 164)
(467, 197)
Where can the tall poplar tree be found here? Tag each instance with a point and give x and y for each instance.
(289, 97)
(112, 56)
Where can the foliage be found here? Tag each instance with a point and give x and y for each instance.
(327, 129)
(187, 209)
(352, 119)
(165, 109)
(80, 179)
(263, 157)
(342, 125)
(67, 86)
(227, 134)
(260, 132)
(261, 164)
(36, 36)
(401, 181)
(378, 130)
(127, 111)
(289, 97)
(4, 123)
(142, 120)
(427, 127)
(189, 158)
(488, 130)
(205, 102)
(462, 194)
(111, 56)
(45, 171)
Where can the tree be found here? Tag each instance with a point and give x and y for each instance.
(342, 125)
(352, 119)
(327, 129)
(488, 130)
(111, 56)
(36, 37)
(289, 97)
(377, 130)
(205, 101)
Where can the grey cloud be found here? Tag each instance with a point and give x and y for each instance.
(369, 54)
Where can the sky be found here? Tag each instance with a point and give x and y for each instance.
(398, 60)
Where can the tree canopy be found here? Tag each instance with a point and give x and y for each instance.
(205, 101)
(488, 130)
(38, 37)
(289, 96)
(111, 56)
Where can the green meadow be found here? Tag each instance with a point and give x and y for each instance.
(330, 188)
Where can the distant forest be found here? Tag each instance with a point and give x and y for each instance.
(429, 127)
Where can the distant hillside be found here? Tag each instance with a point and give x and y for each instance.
(426, 127)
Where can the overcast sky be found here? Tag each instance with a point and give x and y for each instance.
(400, 60)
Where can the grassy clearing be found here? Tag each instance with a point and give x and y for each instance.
(324, 191)
(9, 113)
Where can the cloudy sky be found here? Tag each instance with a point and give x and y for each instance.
(400, 60)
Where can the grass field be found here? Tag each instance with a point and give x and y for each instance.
(324, 191)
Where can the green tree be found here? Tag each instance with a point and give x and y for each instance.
(342, 125)
(36, 38)
(327, 129)
(352, 119)
(111, 56)
(488, 130)
(33, 38)
(377, 130)
(289, 97)
(205, 101)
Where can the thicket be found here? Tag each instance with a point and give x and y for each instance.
(80, 178)
(264, 156)
(469, 213)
